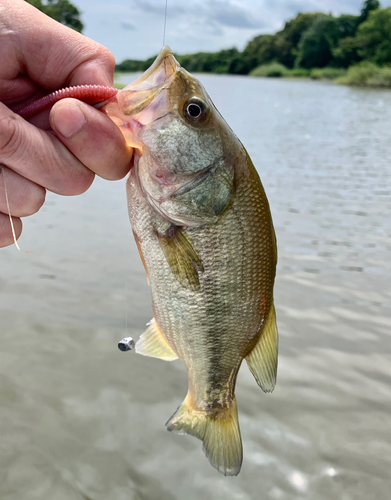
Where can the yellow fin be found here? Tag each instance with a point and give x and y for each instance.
(152, 343)
(262, 360)
(219, 432)
(183, 259)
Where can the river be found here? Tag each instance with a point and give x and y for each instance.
(81, 420)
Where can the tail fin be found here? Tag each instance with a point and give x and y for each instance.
(220, 434)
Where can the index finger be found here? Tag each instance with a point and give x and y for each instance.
(53, 56)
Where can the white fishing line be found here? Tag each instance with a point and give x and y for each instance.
(126, 301)
(127, 251)
(9, 210)
(165, 22)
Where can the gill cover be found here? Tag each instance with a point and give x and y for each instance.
(185, 152)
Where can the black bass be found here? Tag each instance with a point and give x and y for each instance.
(204, 231)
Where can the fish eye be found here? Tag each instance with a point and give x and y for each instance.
(195, 110)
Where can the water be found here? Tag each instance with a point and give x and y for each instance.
(81, 420)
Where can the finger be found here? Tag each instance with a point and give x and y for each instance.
(6, 237)
(24, 197)
(92, 137)
(40, 157)
(53, 56)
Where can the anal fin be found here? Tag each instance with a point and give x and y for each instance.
(152, 343)
(262, 360)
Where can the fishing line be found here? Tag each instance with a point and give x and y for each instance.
(165, 22)
(127, 295)
(9, 210)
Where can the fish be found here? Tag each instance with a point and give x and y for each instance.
(204, 231)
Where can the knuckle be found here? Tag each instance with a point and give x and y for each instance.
(101, 56)
(105, 56)
(109, 60)
(9, 136)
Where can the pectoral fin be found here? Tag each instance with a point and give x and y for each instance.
(262, 360)
(152, 343)
(181, 256)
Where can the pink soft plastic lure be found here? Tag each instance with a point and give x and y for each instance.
(88, 93)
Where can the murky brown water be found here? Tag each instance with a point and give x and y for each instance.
(81, 420)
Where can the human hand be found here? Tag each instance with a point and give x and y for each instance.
(61, 151)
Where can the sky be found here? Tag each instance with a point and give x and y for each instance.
(133, 29)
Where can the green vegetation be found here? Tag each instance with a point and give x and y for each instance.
(209, 62)
(374, 37)
(130, 66)
(327, 73)
(350, 49)
(119, 85)
(62, 11)
(274, 69)
(367, 74)
(201, 62)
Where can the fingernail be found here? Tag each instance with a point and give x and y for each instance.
(69, 119)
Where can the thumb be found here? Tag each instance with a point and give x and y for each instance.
(92, 137)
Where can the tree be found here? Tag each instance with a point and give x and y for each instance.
(130, 66)
(317, 43)
(347, 52)
(368, 6)
(62, 11)
(347, 25)
(260, 50)
(281, 47)
(289, 37)
(209, 62)
(374, 37)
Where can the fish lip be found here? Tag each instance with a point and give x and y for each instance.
(164, 53)
(137, 96)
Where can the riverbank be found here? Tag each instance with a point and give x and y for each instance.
(360, 75)
(367, 75)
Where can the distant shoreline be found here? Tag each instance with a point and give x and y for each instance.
(348, 49)
(364, 75)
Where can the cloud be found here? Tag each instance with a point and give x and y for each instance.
(225, 13)
(194, 25)
(289, 8)
(127, 26)
(159, 7)
(229, 14)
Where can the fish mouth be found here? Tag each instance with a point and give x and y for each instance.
(137, 96)
(128, 109)
(163, 67)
